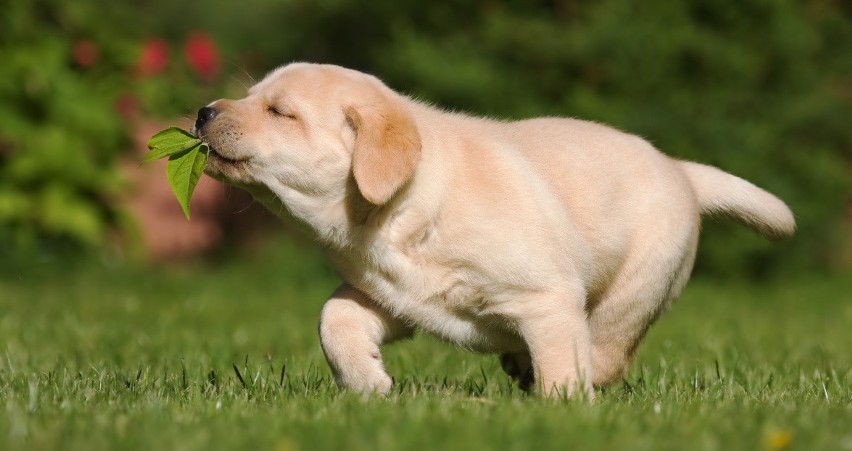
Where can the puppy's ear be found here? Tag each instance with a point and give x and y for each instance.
(387, 148)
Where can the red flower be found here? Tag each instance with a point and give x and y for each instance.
(202, 55)
(154, 57)
(85, 53)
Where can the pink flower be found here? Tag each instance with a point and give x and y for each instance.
(85, 53)
(202, 55)
(154, 57)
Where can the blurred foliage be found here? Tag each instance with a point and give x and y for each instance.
(58, 130)
(760, 88)
(72, 83)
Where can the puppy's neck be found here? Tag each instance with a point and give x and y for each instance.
(343, 221)
(333, 218)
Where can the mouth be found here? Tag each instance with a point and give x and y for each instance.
(225, 169)
(213, 154)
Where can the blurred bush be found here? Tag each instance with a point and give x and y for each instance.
(73, 82)
(59, 132)
(759, 88)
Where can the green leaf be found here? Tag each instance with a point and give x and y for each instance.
(187, 158)
(169, 142)
(183, 171)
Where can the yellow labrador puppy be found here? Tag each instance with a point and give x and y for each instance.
(554, 242)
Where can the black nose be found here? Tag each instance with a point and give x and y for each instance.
(204, 115)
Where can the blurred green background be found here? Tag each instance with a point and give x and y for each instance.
(760, 88)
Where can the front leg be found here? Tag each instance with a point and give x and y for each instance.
(352, 327)
(557, 335)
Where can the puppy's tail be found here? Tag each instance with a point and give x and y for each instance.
(720, 193)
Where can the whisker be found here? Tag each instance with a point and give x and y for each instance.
(245, 72)
(244, 209)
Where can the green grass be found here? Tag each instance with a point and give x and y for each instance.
(225, 355)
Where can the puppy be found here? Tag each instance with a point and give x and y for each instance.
(553, 242)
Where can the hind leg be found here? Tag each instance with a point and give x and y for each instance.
(624, 312)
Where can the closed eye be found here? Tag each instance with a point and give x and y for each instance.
(280, 113)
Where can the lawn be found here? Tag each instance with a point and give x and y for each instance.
(224, 354)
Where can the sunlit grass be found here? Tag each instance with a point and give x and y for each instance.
(226, 356)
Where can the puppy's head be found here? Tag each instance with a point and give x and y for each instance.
(306, 130)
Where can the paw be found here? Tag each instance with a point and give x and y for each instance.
(373, 383)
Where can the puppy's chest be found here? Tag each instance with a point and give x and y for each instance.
(447, 300)
(405, 287)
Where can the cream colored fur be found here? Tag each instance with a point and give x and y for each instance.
(553, 242)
